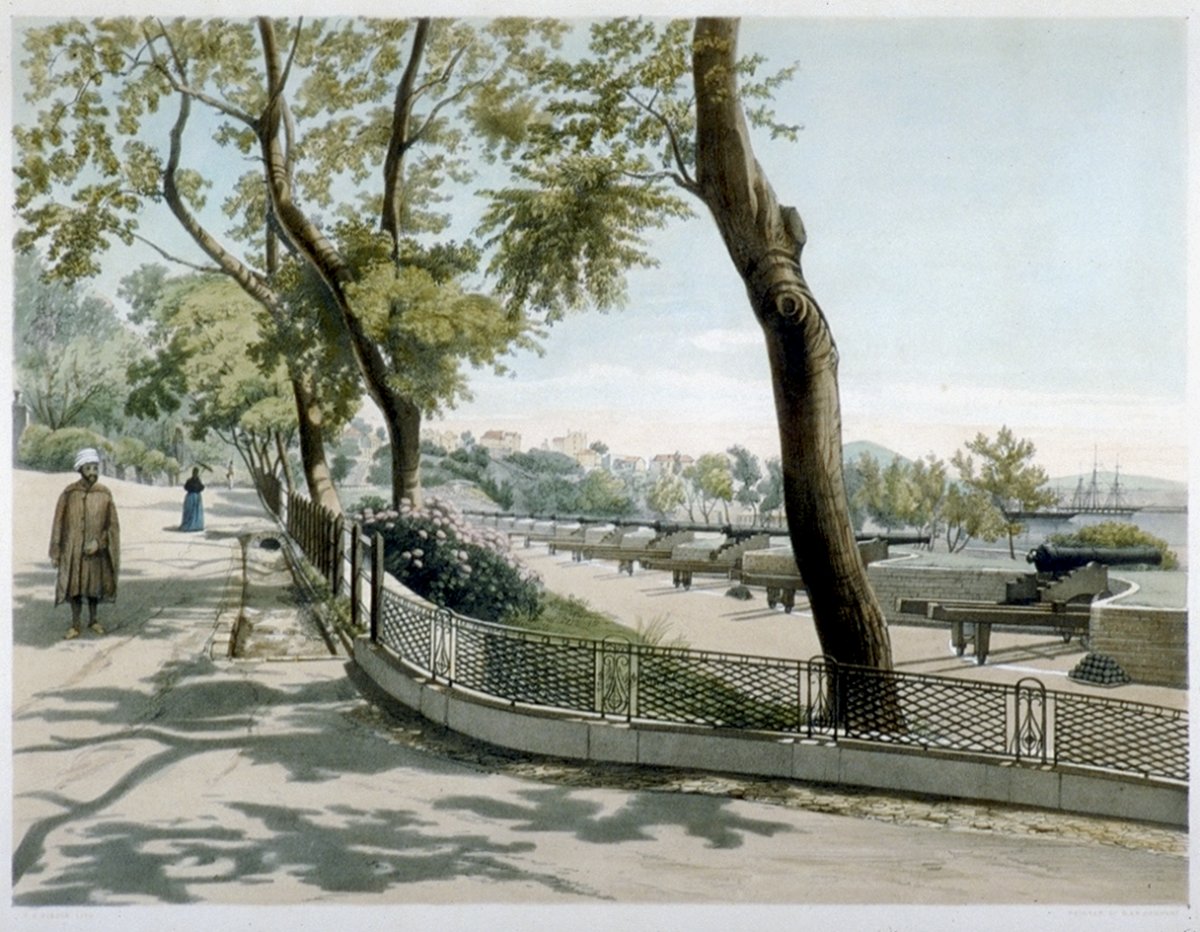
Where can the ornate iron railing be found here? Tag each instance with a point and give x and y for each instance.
(616, 679)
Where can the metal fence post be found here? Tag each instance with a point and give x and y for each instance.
(355, 576)
(376, 586)
(337, 555)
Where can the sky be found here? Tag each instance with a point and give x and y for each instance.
(997, 215)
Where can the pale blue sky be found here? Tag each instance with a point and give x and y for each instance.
(996, 213)
(997, 221)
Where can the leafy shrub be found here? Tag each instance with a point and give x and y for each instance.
(549, 462)
(470, 570)
(54, 450)
(1117, 534)
(369, 503)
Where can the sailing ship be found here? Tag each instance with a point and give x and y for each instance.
(1087, 500)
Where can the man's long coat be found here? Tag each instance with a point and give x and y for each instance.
(85, 514)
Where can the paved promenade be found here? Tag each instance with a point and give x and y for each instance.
(149, 771)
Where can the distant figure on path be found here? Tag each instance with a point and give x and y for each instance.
(193, 503)
(85, 543)
(229, 474)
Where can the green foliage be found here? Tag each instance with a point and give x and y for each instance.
(611, 157)
(771, 488)
(470, 570)
(380, 472)
(1006, 474)
(71, 351)
(569, 616)
(49, 450)
(604, 495)
(747, 473)
(709, 482)
(666, 495)
(545, 462)
(1118, 534)
(369, 503)
(499, 492)
(969, 513)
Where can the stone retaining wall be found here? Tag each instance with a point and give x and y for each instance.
(851, 763)
(1150, 644)
(909, 579)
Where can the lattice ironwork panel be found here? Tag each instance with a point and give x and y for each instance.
(719, 690)
(556, 673)
(406, 628)
(922, 711)
(1124, 736)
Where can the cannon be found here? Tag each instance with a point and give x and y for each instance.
(1058, 559)
(1059, 601)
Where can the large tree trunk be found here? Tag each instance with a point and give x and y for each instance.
(401, 416)
(406, 454)
(764, 240)
(312, 448)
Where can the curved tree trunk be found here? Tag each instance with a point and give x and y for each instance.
(309, 416)
(764, 239)
(312, 448)
(402, 417)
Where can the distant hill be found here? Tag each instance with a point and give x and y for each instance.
(881, 454)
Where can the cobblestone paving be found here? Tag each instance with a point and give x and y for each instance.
(405, 727)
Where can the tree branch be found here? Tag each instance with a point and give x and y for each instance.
(688, 182)
(173, 258)
(179, 85)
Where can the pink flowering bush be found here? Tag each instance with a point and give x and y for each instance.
(437, 554)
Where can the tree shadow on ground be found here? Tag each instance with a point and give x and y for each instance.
(310, 730)
(38, 622)
(558, 809)
(364, 852)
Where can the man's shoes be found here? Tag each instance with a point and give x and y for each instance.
(96, 628)
(72, 634)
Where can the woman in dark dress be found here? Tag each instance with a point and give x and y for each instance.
(193, 504)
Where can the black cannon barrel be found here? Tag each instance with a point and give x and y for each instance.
(1056, 558)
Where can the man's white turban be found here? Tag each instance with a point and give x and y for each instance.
(85, 456)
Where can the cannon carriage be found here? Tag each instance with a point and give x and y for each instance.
(707, 558)
(775, 570)
(1057, 596)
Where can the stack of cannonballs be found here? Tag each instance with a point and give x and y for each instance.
(1099, 670)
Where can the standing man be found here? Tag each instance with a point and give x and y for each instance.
(85, 543)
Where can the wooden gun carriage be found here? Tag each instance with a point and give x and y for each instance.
(707, 558)
(1058, 600)
(774, 569)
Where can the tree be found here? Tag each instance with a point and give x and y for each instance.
(99, 158)
(969, 513)
(363, 118)
(602, 493)
(746, 473)
(928, 479)
(202, 324)
(771, 489)
(71, 350)
(666, 495)
(1006, 475)
(711, 481)
(647, 119)
(450, 68)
